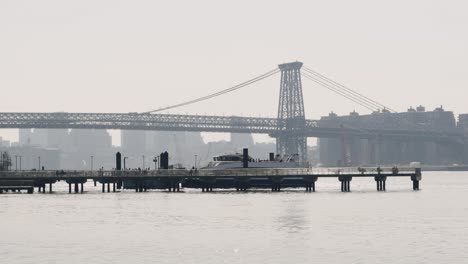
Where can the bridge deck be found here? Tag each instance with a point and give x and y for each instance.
(229, 124)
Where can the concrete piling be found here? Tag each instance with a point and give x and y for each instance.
(380, 181)
(345, 183)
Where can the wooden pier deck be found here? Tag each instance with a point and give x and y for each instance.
(206, 180)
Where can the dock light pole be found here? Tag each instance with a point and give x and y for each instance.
(92, 159)
(39, 158)
(125, 168)
(16, 162)
(20, 161)
(143, 168)
(195, 161)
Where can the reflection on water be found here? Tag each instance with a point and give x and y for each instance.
(364, 226)
(292, 218)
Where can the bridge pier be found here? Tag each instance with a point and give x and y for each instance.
(345, 183)
(416, 178)
(415, 185)
(276, 183)
(310, 183)
(380, 180)
(76, 182)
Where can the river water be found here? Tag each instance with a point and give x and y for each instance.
(363, 226)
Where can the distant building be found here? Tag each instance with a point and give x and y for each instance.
(353, 151)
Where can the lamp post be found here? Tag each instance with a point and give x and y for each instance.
(143, 163)
(39, 158)
(125, 168)
(92, 160)
(20, 161)
(195, 161)
(16, 162)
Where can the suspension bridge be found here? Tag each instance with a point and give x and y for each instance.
(291, 128)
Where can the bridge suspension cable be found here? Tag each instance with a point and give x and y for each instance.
(333, 89)
(231, 89)
(344, 91)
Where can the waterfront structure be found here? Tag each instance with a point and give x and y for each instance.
(206, 180)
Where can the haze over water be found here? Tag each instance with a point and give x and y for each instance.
(364, 226)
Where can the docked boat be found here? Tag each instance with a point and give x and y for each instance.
(235, 161)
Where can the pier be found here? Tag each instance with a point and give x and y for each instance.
(174, 180)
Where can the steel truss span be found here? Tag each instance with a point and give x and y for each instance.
(234, 124)
(134, 121)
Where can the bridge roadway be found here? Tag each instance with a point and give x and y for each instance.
(233, 124)
(207, 180)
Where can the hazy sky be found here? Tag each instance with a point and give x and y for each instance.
(133, 56)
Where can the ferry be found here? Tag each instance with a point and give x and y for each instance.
(235, 161)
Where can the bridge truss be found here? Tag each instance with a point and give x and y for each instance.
(196, 123)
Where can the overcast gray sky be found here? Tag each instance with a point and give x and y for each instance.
(138, 55)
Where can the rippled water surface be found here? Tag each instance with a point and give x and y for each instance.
(364, 226)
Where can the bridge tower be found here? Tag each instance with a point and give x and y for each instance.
(291, 116)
